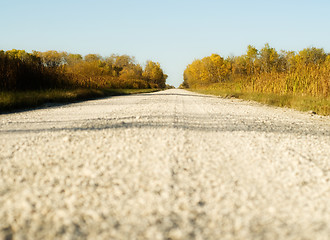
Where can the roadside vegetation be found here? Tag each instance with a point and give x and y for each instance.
(299, 80)
(13, 100)
(31, 79)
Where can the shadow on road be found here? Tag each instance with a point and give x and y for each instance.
(216, 123)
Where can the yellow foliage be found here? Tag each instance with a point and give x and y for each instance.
(20, 70)
(306, 72)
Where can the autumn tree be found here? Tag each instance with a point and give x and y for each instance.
(72, 59)
(154, 75)
(51, 59)
(265, 70)
(92, 57)
(20, 70)
(120, 62)
(268, 58)
(132, 72)
(312, 55)
(251, 59)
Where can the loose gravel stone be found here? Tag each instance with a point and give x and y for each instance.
(165, 165)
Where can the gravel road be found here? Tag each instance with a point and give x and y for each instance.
(165, 165)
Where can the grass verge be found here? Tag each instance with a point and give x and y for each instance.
(318, 105)
(11, 101)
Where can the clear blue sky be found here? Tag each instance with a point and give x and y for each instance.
(172, 32)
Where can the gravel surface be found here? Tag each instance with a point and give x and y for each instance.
(165, 165)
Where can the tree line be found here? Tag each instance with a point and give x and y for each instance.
(20, 70)
(306, 72)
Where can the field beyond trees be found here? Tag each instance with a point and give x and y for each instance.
(293, 79)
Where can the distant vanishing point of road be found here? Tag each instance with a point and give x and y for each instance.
(166, 165)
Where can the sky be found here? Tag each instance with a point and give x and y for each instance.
(171, 32)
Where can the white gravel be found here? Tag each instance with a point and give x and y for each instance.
(166, 165)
